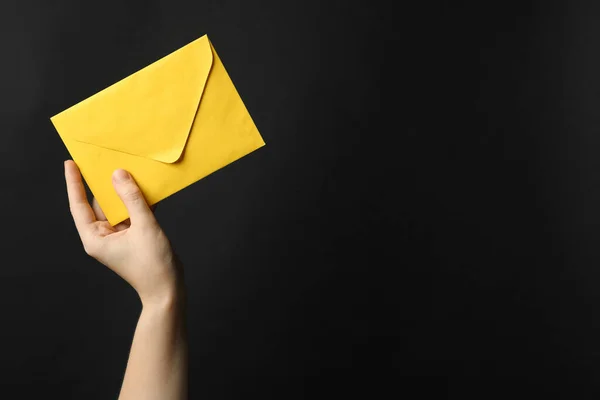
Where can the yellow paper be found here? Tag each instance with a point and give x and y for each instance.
(170, 124)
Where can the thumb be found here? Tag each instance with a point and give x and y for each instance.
(132, 197)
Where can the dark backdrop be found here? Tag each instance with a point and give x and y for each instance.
(425, 215)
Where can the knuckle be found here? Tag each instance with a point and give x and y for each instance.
(90, 249)
(72, 209)
(132, 194)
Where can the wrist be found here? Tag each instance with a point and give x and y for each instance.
(170, 296)
(170, 300)
(168, 291)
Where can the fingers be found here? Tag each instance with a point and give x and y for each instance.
(97, 210)
(101, 217)
(82, 213)
(132, 197)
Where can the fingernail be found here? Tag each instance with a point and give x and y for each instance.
(121, 175)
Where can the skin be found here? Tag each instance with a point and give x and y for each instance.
(139, 251)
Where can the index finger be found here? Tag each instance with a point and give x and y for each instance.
(82, 213)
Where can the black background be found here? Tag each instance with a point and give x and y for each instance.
(425, 215)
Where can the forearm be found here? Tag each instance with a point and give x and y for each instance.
(157, 365)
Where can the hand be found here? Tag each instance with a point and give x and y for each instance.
(137, 249)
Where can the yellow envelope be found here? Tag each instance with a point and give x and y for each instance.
(170, 124)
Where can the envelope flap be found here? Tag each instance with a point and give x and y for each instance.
(149, 113)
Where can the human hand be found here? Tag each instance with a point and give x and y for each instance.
(137, 250)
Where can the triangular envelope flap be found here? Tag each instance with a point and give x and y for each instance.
(148, 114)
